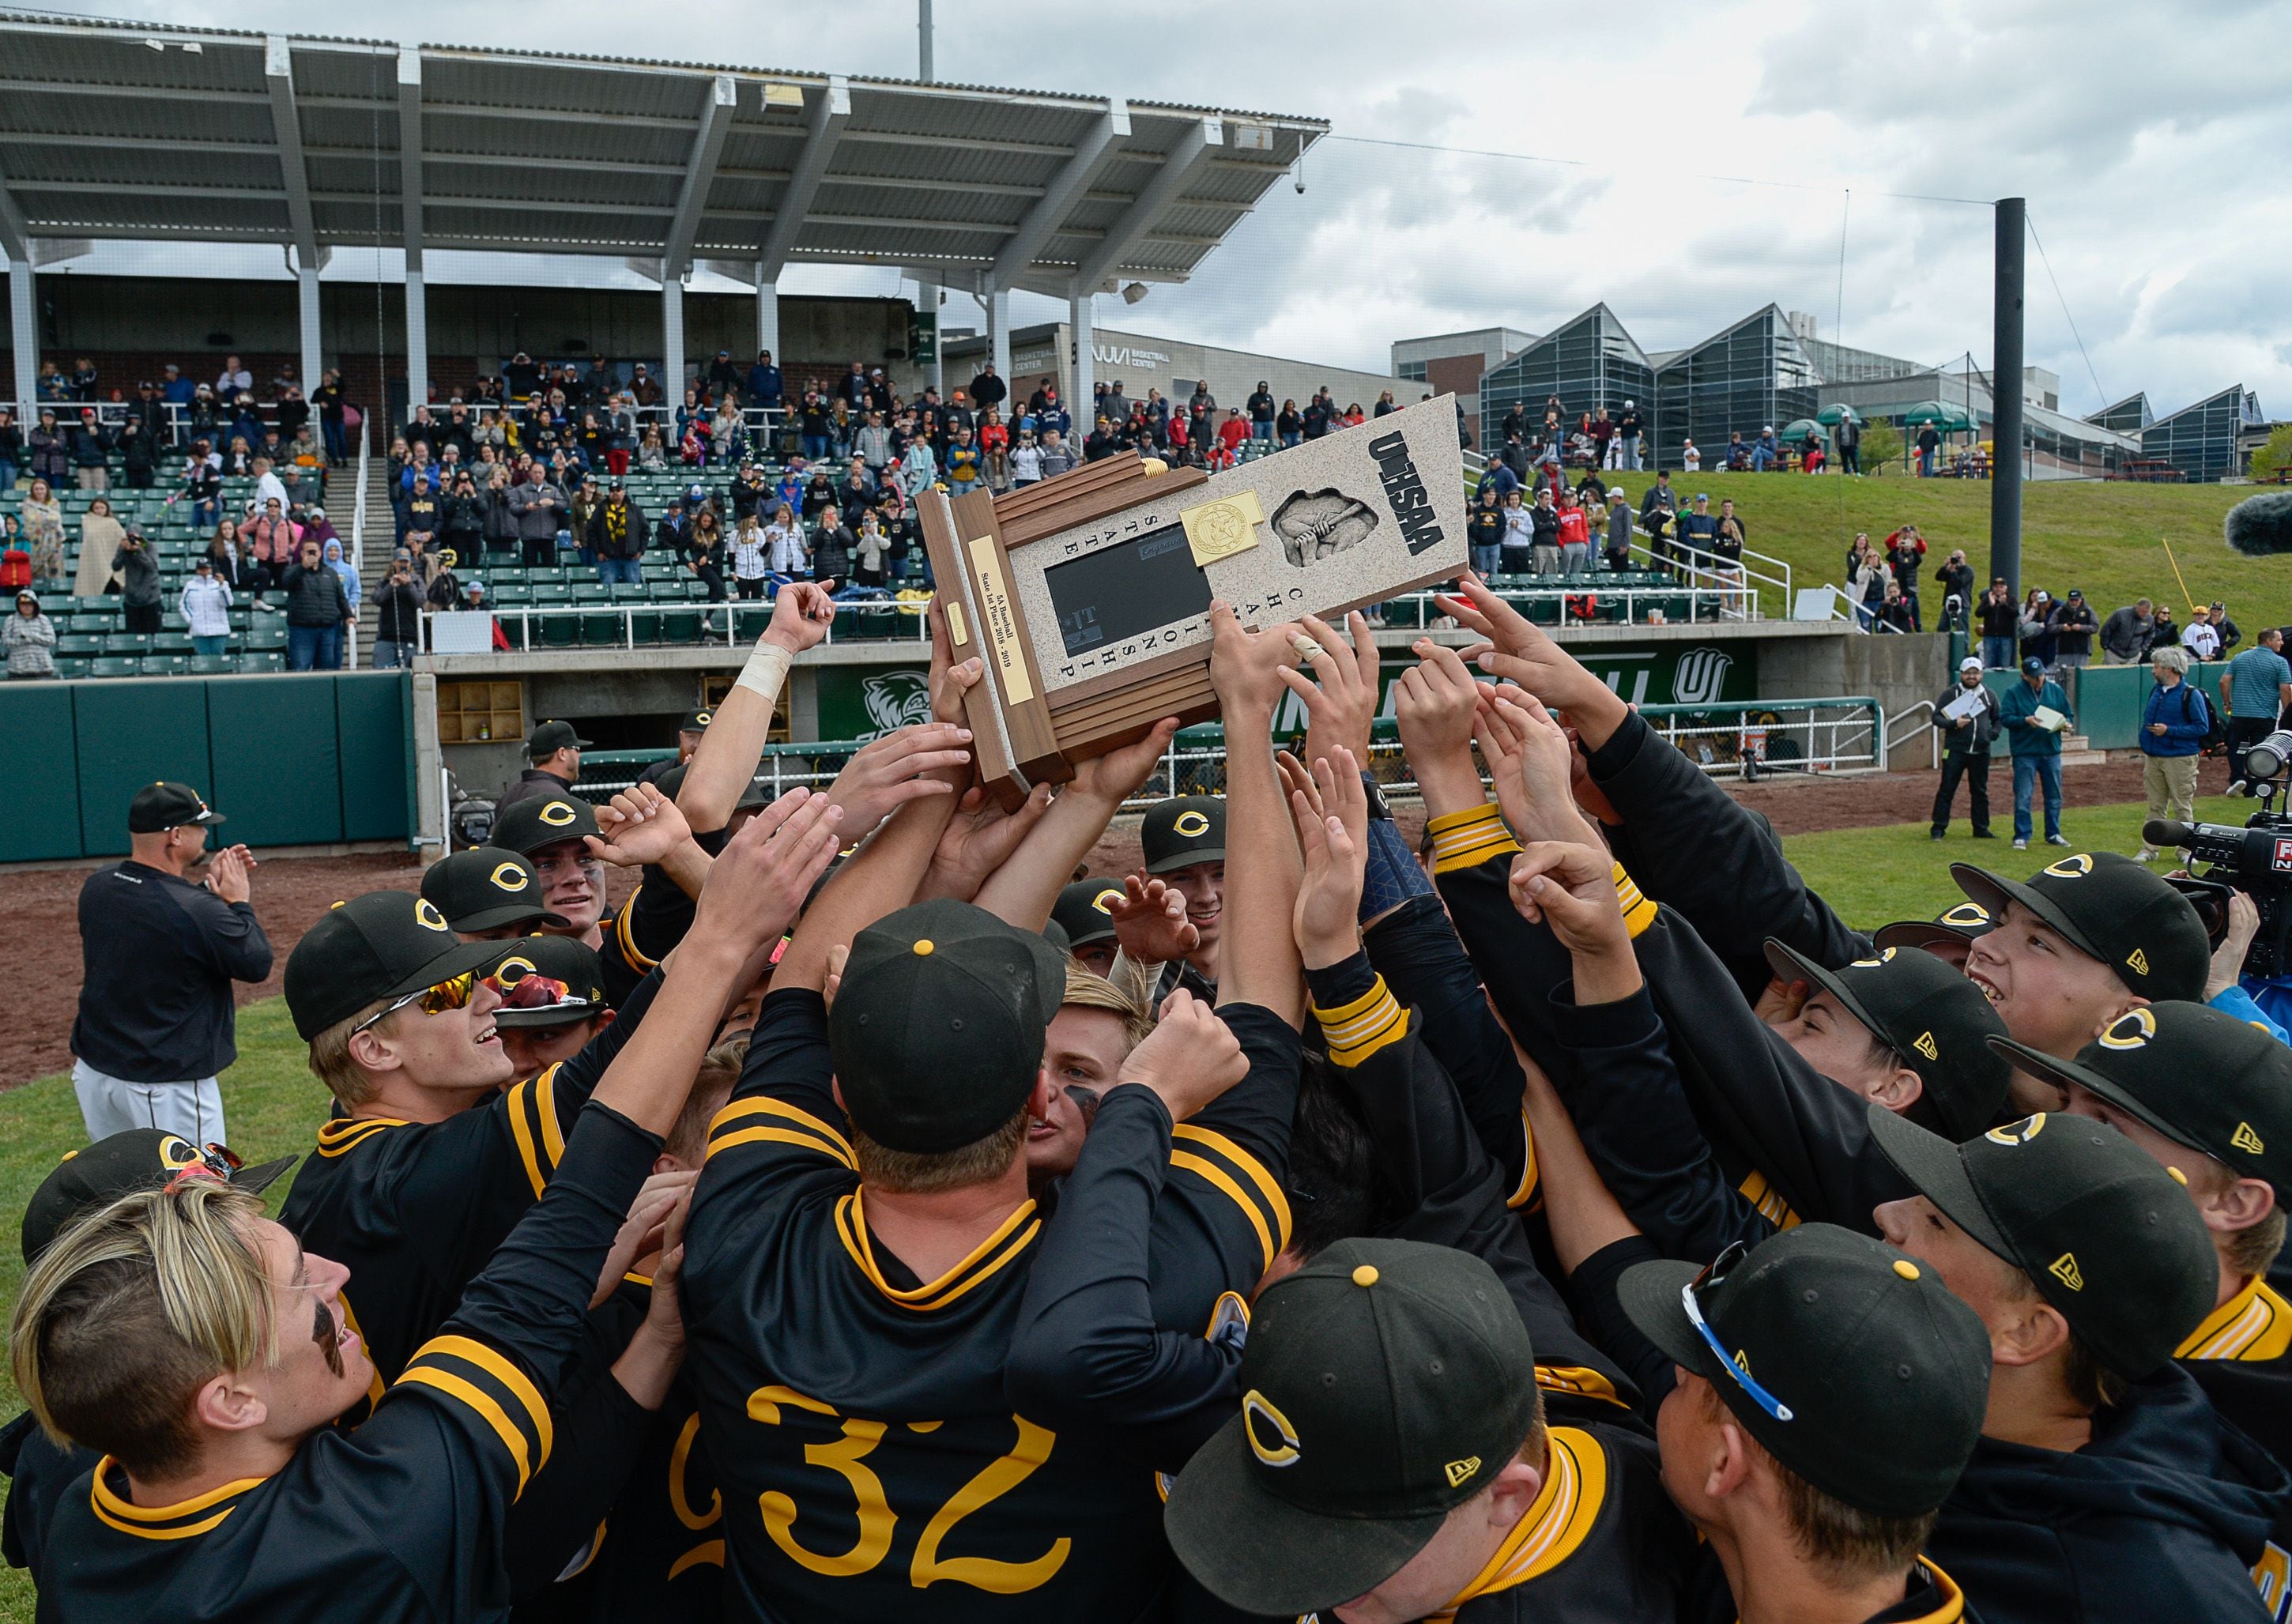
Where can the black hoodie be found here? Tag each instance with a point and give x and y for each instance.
(2162, 1517)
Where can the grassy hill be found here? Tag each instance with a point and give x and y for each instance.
(2100, 537)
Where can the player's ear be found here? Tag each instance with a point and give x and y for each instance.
(228, 1405)
(1898, 1089)
(2236, 1207)
(2027, 1332)
(1729, 1467)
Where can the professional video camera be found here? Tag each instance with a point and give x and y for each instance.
(2255, 860)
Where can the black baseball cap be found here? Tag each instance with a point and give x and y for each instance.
(1083, 910)
(2033, 666)
(1181, 831)
(486, 887)
(697, 722)
(1928, 1013)
(2196, 1074)
(1966, 922)
(166, 806)
(552, 737)
(1885, 1370)
(549, 981)
(525, 827)
(383, 945)
(2110, 1238)
(1384, 1384)
(140, 1158)
(2113, 909)
(937, 1027)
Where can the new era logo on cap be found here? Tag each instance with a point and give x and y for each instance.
(2064, 1268)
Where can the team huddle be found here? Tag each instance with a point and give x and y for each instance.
(1566, 1216)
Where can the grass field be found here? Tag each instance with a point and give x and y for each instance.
(273, 1105)
(2100, 537)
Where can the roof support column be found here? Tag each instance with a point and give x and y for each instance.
(409, 175)
(306, 289)
(672, 340)
(1081, 404)
(417, 342)
(768, 315)
(999, 335)
(931, 299)
(24, 329)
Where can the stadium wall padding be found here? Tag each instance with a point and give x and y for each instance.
(311, 759)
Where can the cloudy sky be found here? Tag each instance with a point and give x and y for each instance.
(1705, 153)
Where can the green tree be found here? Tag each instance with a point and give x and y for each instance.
(1881, 446)
(2274, 456)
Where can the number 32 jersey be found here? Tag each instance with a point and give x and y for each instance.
(872, 1466)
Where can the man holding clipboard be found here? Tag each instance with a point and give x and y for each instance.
(1966, 715)
(2037, 713)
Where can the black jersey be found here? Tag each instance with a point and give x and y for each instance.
(413, 1209)
(39, 1469)
(873, 1464)
(2241, 1356)
(401, 1519)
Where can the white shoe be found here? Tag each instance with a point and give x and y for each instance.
(2020, 845)
(2146, 854)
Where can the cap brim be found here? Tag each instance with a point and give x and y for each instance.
(449, 963)
(1994, 891)
(1090, 938)
(208, 819)
(1187, 860)
(1263, 1555)
(509, 913)
(1922, 934)
(1790, 964)
(548, 1015)
(1933, 1166)
(262, 1175)
(1649, 1293)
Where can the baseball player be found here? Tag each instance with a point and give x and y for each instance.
(689, 734)
(553, 1003)
(1085, 912)
(1182, 842)
(489, 894)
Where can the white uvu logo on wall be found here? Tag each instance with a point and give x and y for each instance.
(895, 699)
(1702, 676)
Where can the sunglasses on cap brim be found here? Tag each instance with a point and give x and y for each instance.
(1714, 1272)
(214, 1161)
(435, 1001)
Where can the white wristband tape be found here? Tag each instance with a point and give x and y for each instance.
(766, 670)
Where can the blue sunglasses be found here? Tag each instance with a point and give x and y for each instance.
(1715, 1272)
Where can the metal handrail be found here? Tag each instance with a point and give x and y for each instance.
(1927, 726)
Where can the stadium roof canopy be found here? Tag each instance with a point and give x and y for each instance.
(152, 132)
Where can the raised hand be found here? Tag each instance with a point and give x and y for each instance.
(902, 766)
(227, 874)
(1189, 1060)
(1572, 889)
(640, 1232)
(1246, 665)
(1116, 776)
(638, 826)
(1522, 653)
(1341, 696)
(1330, 810)
(1149, 922)
(802, 612)
(761, 879)
(1528, 757)
(979, 839)
(950, 679)
(1436, 701)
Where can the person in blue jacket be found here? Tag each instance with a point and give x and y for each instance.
(2173, 722)
(2036, 750)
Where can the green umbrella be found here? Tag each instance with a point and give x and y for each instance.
(1929, 411)
(1796, 430)
(1834, 414)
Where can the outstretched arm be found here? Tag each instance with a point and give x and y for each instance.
(1257, 959)
(1022, 891)
(725, 763)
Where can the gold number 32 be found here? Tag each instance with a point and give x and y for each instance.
(877, 1520)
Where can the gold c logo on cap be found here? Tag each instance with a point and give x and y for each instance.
(1966, 913)
(1457, 1471)
(1190, 824)
(557, 814)
(509, 972)
(2245, 1140)
(1258, 1416)
(2133, 1030)
(1104, 900)
(509, 877)
(2064, 1268)
(2071, 868)
(427, 913)
(704, 717)
(1927, 1046)
(1871, 963)
(176, 1152)
(2137, 962)
(2018, 1133)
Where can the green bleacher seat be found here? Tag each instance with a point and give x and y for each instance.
(680, 626)
(266, 632)
(167, 665)
(645, 626)
(512, 594)
(591, 592)
(108, 607)
(623, 594)
(173, 622)
(557, 632)
(602, 629)
(750, 620)
(127, 642)
(868, 621)
(546, 593)
(78, 643)
(172, 642)
(91, 625)
(214, 665)
(115, 665)
(239, 618)
(260, 661)
(70, 667)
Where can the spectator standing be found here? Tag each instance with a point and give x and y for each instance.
(15, 564)
(159, 956)
(2072, 623)
(2036, 626)
(1026, 461)
(42, 518)
(1575, 536)
(537, 506)
(99, 536)
(917, 469)
(1929, 444)
(1518, 542)
(90, 452)
(330, 552)
(398, 616)
(2230, 636)
(12, 449)
(785, 553)
(2258, 684)
(139, 582)
(2173, 722)
(205, 605)
(1966, 749)
(272, 540)
(1057, 456)
(51, 450)
(831, 550)
(1484, 532)
(2202, 640)
(317, 608)
(29, 638)
(1262, 413)
(704, 553)
(751, 553)
(617, 538)
(2126, 634)
(2168, 634)
(138, 456)
(1618, 552)
(1848, 438)
(1290, 424)
(1956, 579)
(2036, 750)
(1629, 430)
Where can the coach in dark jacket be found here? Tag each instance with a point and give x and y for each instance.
(617, 538)
(1965, 748)
(317, 611)
(158, 954)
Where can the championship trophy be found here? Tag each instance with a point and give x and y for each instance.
(1087, 596)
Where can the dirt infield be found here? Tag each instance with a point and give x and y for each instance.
(290, 892)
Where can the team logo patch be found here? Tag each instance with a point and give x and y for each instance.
(2071, 868)
(1966, 913)
(2133, 1030)
(704, 717)
(509, 877)
(427, 913)
(176, 1154)
(1927, 1046)
(557, 814)
(1271, 1439)
(1104, 900)
(2137, 962)
(1458, 1471)
(1872, 964)
(2018, 1133)
(2245, 1140)
(1190, 824)
(2065, 1270)
(509, 972)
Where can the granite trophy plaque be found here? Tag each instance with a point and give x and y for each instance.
(1087, 595)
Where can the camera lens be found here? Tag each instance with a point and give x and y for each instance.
(2267, 758)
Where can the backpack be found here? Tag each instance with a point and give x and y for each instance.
(2215, 739)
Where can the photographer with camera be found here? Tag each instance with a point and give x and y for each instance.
(2259, 691)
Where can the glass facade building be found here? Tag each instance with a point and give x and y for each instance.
(1753, 374)
(1590, 363)
(2129, 415)
(2201, 440)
